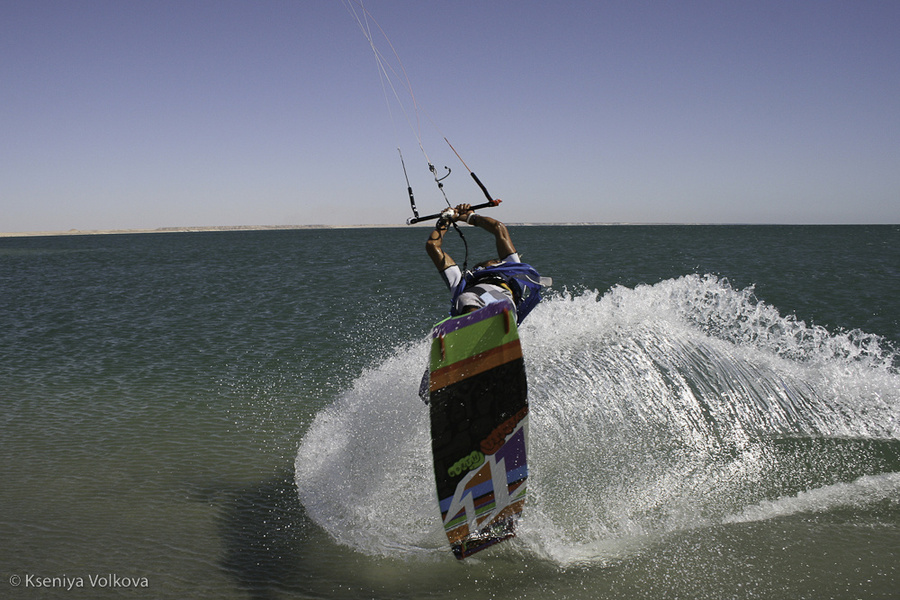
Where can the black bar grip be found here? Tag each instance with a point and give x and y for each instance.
(414, 220)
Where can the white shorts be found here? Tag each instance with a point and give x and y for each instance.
(481, 295)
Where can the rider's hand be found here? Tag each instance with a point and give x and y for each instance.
(463, 211)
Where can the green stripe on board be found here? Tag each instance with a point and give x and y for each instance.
(472, 340)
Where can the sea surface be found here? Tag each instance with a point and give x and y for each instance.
(715, 414)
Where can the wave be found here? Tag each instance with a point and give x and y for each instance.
(653, 409)
(864, 492)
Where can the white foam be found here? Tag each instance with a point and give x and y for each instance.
(363, 470)
(863, 492)
(648, 407)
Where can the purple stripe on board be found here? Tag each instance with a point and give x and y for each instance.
(451, 325)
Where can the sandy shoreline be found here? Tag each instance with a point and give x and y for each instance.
(184, 229)
(248, 228)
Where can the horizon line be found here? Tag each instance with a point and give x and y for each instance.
(213, 228)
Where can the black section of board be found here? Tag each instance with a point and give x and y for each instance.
(465, 413)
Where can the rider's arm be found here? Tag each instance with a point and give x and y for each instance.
(496, 228)
(441, 259)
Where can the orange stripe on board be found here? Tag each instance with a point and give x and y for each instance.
(459, 534)
(483, 474)
(474, 365)
(512, 511)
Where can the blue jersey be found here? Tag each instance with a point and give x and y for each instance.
(515, 281)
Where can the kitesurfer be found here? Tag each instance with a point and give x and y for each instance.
(502, 279)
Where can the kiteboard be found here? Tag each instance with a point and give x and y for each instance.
(479, 426)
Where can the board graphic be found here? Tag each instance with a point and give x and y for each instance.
(479, 426)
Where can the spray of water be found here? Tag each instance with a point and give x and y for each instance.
(654, 409)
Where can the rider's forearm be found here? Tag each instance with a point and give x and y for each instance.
(497, 229)
(441, 259)
(487, 223)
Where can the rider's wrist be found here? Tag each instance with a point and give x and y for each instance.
(471, 218)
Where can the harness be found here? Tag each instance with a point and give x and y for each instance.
(521, 279)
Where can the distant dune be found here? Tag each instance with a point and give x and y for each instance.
(256, 228)
(185, 229)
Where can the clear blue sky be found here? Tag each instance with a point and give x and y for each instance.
(145, 114)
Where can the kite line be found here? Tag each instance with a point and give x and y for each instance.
(393, 75)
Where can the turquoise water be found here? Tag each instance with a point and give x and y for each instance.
(715, 414)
